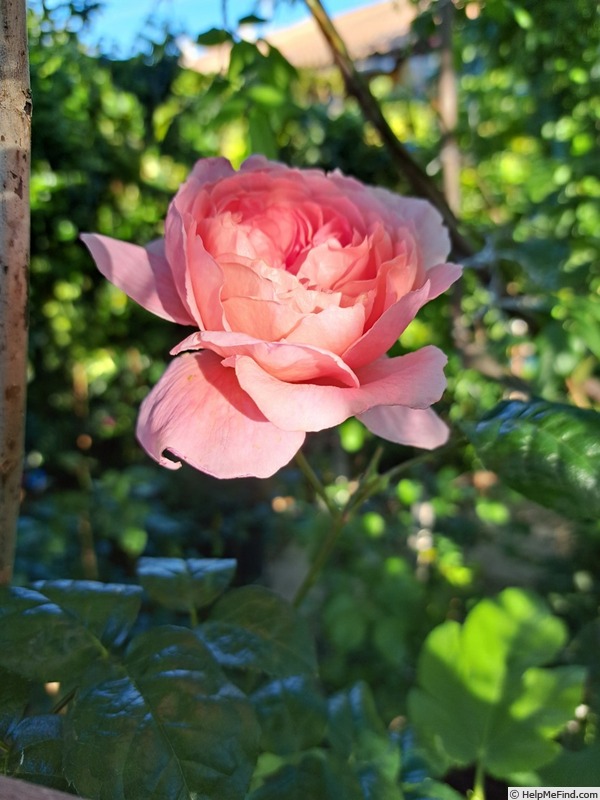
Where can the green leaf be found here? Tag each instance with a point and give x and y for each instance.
(317, 776)
(547, 451)
(169, 703)
(483, 697)
(36, 751)
(185, 584)
(109, 610)
(292, 714)
(539, 259)
(260, 131)
(267, 95)
(573, 768)
(14, 696)
(214, 36)
(243, 55)
(254, 629)
(42, 640)
(251, 19)
(358, 735)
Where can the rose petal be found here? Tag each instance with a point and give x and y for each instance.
(416, 427)
(142, 273)
(392, 323)
(177, 236)
(206, 171)
(333, 329)
(431, 234)
(206, 280)
(198, 412)
(283, 360)
(415, 380)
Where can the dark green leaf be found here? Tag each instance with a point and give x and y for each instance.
(36, 751)
(292, 714)
(214, 36)
(359, 736)
(547, 451)
(14, 695)
(316, 776)
(580, 768)
(185, 584)
(166, 722)
(540, 259)
(254, 629)
(41, 640)
(251, 19)
(109, 610)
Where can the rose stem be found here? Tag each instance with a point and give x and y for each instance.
(312, 477)
(323, 554)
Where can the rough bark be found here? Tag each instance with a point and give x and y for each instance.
(15, 138)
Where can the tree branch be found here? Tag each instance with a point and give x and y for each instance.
(15, 152)
(420, 182)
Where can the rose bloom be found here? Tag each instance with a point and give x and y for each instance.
(297, 283)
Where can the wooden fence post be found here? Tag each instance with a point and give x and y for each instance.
(15, 154)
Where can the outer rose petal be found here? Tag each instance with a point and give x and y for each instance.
(143, 273)
(199, 413)
(415, 380)
(283, 360)
(431, 233)
(417, 427)
(205, 171)
(392, 323)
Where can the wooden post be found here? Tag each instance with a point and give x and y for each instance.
(15, 152)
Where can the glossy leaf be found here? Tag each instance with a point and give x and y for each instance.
(254, 629)
(14, 695)
(185, 584)
(316, 776)
(169, 703)
(42, 640)
(292, 714)
(483, 697)
(109, 610)
(547, 451)
(359, 736)
(36, 751)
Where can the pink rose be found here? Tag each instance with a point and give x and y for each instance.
(298, 283)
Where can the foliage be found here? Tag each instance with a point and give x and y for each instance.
(484, 699)
(412, 667)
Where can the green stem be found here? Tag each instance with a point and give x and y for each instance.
(64, 701)
(312, 477)
(193, 617)
(479, 783)
(322, 557)
(369, 484)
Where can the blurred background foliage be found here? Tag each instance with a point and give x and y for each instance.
(112, 140)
